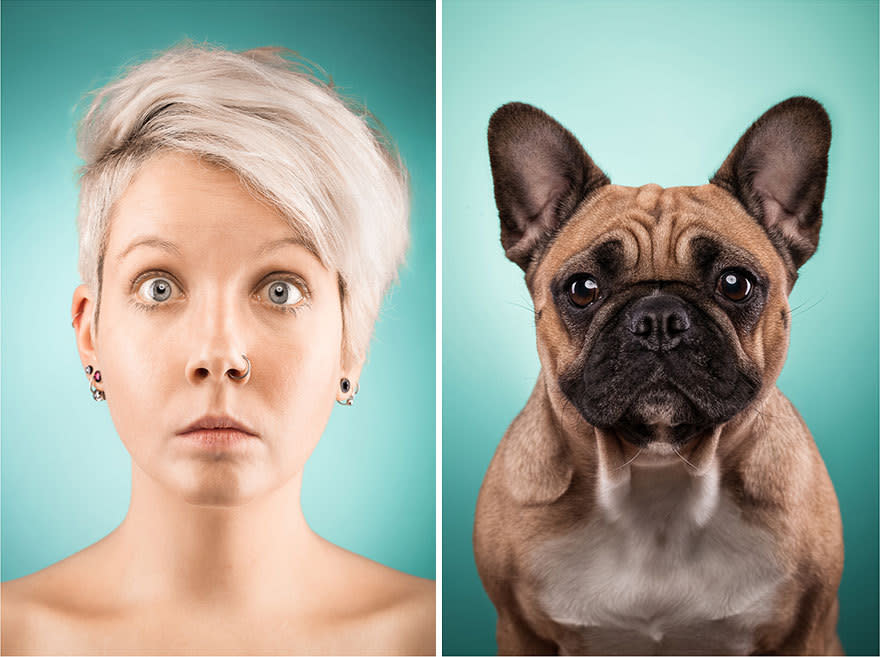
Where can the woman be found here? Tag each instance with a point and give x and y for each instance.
(239, 226)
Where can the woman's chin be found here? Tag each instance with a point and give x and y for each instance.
(216, 497)
(218, 486)
(220, 478)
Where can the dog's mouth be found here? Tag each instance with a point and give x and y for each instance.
(662, 413)
(661, 400)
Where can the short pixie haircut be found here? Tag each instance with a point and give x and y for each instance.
(321, 160)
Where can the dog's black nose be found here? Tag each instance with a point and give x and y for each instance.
(659, 321)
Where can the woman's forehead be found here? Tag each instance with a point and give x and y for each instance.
(177, 202)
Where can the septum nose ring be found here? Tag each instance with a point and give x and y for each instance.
(246, 372)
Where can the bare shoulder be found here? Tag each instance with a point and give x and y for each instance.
(28, 614)
(16, 616)
(396, 611)
(39, 612)
(410, 619)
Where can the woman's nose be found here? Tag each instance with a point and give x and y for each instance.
(236, 369)
(217, 345)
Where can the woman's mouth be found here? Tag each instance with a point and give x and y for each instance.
(217, 432)
(217, 438)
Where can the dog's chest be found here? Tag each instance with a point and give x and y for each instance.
(668, 567)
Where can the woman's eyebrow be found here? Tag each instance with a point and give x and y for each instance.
(268, 247)
(150, 240)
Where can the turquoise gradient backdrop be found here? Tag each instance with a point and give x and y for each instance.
(370, 485)
(659, 92)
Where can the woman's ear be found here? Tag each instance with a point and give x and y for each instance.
(82, 313)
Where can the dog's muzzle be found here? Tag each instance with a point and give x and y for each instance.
(660, 369)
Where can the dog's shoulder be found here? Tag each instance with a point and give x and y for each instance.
(535, 465)
(780, 479)
(778, 471)
(520, 498)
(531, 465)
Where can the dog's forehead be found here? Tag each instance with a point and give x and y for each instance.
(655, 227)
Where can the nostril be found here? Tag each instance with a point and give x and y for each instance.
(642, 325)
(202, 373)
(677, 323)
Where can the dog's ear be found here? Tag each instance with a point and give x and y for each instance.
(777, 170)
(537, 469)
(541, 174)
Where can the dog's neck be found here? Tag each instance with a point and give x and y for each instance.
(668, 496)
(662, 483)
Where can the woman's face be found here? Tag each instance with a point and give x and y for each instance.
(196, 273)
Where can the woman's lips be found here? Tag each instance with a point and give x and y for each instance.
(217, 438)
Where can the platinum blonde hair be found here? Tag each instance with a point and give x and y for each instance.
(322, 161)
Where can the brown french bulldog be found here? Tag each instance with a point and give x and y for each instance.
(658, 494)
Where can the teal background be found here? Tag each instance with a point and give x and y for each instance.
(370, 485)
(659, 92)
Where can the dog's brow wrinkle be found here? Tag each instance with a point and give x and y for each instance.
(642, 237)
(645, 221)
(662, 238)
(681, 239)
(629, 245)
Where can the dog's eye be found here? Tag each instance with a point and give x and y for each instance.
(735, 285)
(582, 290)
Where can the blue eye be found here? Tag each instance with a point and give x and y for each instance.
(284, 293)
(156, 289)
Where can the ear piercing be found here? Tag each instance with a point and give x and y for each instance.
(241, 376)
(95, 377)
(93, 374)
(345, 387)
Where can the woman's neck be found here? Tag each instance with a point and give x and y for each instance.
(253, 555)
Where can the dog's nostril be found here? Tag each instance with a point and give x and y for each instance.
(642, 325)
(677, 323)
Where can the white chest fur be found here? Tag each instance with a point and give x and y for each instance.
(668, 566)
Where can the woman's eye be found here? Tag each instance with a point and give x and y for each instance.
(283, 293)
(734, 285)
(156, 289)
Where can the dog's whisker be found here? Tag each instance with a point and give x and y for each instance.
(763, 416)
(802, 308)
(524, 306)
(620, 467)
(677, 453)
